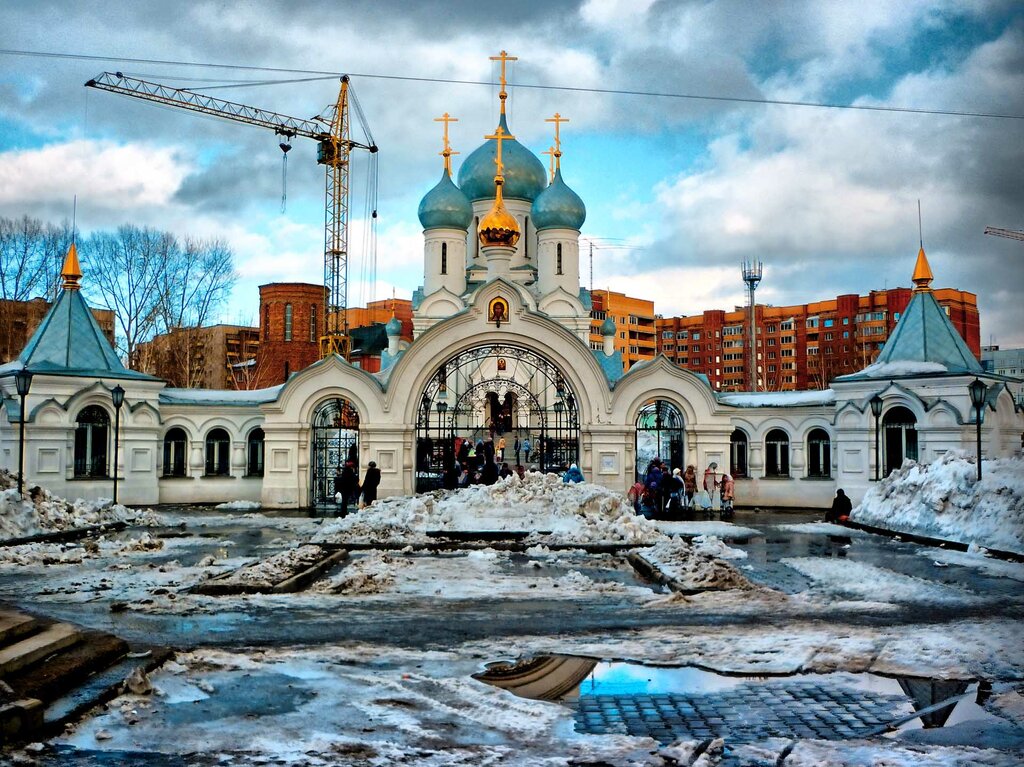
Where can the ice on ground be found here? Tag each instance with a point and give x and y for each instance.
(725, 530)
(989, 566)
(540, 504)
(816, 753)
(239, 505)
(819, 528)
(943, 499)
(845, 576)
(42, 512)
(691, 569)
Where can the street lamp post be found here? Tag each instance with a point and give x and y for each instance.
(876, 411)
(22, 382)
(117, 395)
(978, 391)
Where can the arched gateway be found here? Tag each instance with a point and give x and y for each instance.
(489, 393)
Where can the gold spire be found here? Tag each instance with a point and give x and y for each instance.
(71, 271)
(503, 57)
(551, 162)
(922, 278)
(447, 152)
(499, 227)
(557, 120)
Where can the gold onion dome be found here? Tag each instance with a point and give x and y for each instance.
(499, 227)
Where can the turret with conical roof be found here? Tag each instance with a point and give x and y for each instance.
(445, 213)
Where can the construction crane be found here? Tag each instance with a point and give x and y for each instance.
(330, 130)
(1013, 234)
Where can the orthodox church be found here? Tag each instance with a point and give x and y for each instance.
(500, 352)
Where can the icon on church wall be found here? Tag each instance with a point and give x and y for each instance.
(497, 311)
(501, 364)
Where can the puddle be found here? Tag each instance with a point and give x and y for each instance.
(688, 702)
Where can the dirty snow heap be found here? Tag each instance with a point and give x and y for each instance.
(944, 500)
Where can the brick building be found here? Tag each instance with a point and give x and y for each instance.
(19, 320)
(803, 346)
(214, 357)
(291, 323)
(636, 331)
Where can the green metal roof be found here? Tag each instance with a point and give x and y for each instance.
(924, 342)
(69, 342)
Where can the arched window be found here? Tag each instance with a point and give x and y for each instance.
(312, 323)
(91, 434)
(819, 454)
(738, 453)
(218, 452)
(900, 441)
(776, 454)
(444, 258)
(175, 446)
(254, 453)
(287, 322)
(558, 258)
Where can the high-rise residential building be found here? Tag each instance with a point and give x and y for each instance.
(635, 329)
(19, 320)
(803, 346)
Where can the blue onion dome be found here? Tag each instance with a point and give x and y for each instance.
(608, 327)
(524, 174)
(393, 327)
(445, 206)
(558, 207)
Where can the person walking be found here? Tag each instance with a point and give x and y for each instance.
(841, 508)
(349, 486)
(501, 448)
(676, 494)
(370, 482)
(689, 485)
(728, 492)
(711, 482)
(526, 450)
(516, 448)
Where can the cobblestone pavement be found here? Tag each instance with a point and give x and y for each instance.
(744, 714)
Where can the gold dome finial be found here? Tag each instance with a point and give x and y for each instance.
(557, 120)
(499, 227)
(503, 57)
(923, 277)
(71, 271)
(447, 152)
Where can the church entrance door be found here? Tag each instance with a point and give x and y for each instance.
(335, 441)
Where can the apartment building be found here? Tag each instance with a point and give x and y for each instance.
(636, 330)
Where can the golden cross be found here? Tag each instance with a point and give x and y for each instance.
(447, 152)
(503, 57)
(551, 163)
(499, 135)
(557, 120)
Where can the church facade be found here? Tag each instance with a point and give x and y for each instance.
(501, 350)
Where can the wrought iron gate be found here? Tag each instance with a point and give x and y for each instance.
(335, 441)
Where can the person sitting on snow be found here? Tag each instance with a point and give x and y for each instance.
(573, 475)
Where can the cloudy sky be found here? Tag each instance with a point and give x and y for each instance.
(678, 190)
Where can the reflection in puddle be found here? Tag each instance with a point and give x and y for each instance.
(672, 703)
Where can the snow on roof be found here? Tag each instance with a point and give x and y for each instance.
(779, 398)
(899, 368)
(219, 396)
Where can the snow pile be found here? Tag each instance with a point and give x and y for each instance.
(269, 572)
(373, 574)
(540, 504)
(239, 505)
(690, 569)
(944, 500)
(713, 547)
(44, 513)
(899, 368)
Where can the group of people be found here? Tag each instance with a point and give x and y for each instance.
(671, 493)
(348, 490)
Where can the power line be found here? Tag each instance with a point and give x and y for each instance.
(532, 86)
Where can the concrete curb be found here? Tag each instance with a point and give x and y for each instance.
(216, 587)
(66, 535)
(1009, 556)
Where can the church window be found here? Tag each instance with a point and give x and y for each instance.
(312, 323)
(91, 433)
(558, 259)
(254, 453)
(218, 447)
(819, 454)
(287, 322)
(738, 454)
(444, 258)
(776, 448)
(175, 443)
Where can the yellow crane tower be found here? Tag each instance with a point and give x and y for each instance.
(331, 131)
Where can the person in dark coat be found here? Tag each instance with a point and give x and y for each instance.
(841, 508)
(489, 473)
(370, 482)
(451, 476)
(349, 485)
(516, 448)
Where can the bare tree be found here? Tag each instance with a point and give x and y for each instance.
(127, 271)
